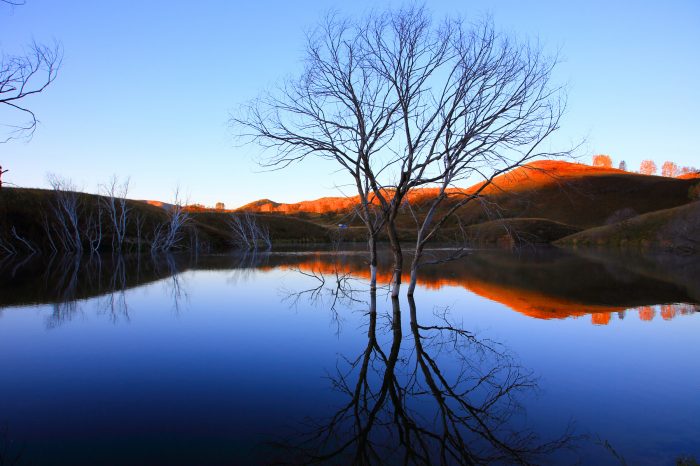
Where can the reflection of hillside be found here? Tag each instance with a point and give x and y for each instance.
(680, 270)
(543, 284)
(70, 278)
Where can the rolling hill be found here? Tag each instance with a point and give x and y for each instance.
(675, 230)
(541, 202)
(578, 195)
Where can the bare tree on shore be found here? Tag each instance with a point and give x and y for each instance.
(114, 202)
(247, 233)
(402, 103)
(66, 207)
(94, 232)
(167, 236)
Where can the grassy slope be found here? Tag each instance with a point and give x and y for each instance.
(282, 228)
(676, 229)
(541, 202)
(511, 232)
(579, 195)
(573, 196)
(24, 210)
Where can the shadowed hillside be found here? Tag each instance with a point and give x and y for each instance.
(580, 195)
(36, 219)
(675, 230)
(538, 203)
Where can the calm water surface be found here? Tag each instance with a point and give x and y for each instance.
(539, 356)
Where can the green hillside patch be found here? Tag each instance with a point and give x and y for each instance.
(518, 231)
(674, 230)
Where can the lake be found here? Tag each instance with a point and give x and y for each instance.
(537, 355)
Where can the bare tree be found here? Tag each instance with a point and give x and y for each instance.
(114, 202)
(94, 231)
(247, 233)
(2, 172)
(474, 104)
(138, 222)
(66, 209)
(167, 236)
(22, 76)
(339, 109)
(401, 103)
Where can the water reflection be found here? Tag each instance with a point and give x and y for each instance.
(431, 393)
(543, 284)
(411, 382)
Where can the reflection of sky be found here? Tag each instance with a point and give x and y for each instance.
(232, 361)
(632, 382)
(145, 90)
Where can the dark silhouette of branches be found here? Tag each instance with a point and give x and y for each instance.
(401, 103)
(330, 290)
(439, 395)
(22, 76)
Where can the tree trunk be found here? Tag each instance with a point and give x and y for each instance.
(414, 278)
(372, 262)
(398, 258)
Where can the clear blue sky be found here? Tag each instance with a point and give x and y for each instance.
(146, 87)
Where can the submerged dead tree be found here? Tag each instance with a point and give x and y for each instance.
(402, 103)
(168, 236)
(115, 205)
(65, 231)
(338, 109)
(247, 233)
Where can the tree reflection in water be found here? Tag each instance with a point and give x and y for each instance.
(435, 395)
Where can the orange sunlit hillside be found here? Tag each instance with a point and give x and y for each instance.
(530, 176)
(535, 304)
